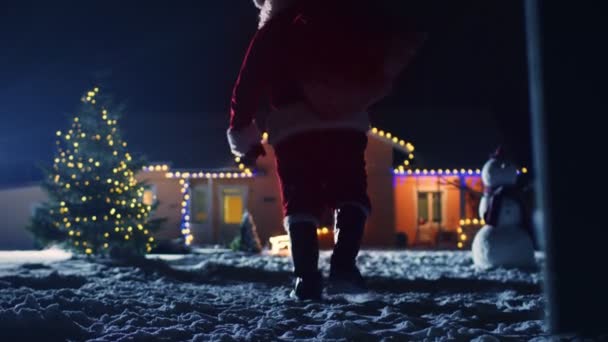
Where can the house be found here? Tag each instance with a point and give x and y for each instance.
(18, 205)
(434, 208)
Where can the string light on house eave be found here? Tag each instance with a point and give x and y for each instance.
(400, 171)
(156, 168)
(234, 174)
(393, 139)
(436, 172)
(397, 143)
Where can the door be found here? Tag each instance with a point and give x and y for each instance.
(233, 204)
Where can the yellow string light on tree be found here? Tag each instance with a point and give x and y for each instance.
(77, 146)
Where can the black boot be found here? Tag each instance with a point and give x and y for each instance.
(305, 256)
(344, 275)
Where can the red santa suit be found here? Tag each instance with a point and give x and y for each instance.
(320, 157)
(320, 162)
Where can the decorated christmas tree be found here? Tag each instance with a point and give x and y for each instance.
(96, 205)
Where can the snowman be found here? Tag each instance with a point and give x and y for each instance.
(503, 241)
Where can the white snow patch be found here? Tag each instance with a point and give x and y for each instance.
(226, 296)
(23, 257)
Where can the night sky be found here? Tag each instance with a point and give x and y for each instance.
(174, 64)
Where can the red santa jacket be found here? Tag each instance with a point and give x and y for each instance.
(264, 73)
(268, 74)
(273, 73)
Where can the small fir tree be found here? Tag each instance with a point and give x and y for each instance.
(248, 239)
(96, 205)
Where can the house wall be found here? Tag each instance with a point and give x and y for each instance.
(380, 229)
(471, 200)
(266, 195)
(170, 199)
(405, 206)
(169, 202)
(17, 207)
(452, 216)
(394, 201)
(406, 190)
(224, 233)
(266, 206)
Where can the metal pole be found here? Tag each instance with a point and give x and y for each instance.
(417, 238)
(563, 138)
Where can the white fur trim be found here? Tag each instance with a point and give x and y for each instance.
(298, 218)
(270, 8)
(299, 118)
(242, 141)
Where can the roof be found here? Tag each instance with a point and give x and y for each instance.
(230, 172)
(22, 185)
(397, 143)
(389, 138)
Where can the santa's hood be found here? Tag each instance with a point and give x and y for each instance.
(270, 8)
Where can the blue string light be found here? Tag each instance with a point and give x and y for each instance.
(185, 220)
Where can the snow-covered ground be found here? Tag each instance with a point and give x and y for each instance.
(223, 296)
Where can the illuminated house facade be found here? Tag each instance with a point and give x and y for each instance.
(434, 208)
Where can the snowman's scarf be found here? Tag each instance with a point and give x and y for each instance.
(495, 199)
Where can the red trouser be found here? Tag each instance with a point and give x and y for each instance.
(321, 170)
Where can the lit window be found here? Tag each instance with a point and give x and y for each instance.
(149, 196)
(233, 209)
(200, 207)
(423, 207)
(429, 207)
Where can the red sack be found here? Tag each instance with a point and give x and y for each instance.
(346, 60)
